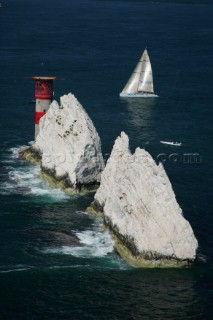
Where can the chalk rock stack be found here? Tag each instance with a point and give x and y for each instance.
(68, 145)
(139, 207)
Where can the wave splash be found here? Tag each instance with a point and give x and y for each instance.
(92, 243)
(18, 177)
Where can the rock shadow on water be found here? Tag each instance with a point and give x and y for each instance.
(56, 238)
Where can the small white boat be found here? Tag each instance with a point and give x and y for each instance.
(140, 84)
(178, 144)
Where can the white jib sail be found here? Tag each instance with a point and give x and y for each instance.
(132, 84)
(146, 78)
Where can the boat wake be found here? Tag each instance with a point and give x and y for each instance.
(17, 177)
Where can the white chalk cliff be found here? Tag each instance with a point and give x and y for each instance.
(68, 144)
(140, 207)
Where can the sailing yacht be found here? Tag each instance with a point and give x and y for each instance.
(140, 84)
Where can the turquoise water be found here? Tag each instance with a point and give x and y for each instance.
(56, 262)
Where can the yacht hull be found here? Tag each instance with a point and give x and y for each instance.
(138, 95)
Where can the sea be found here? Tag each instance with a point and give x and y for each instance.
(57, 261)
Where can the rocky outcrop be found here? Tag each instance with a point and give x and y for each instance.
(68, 146)
(139, 206)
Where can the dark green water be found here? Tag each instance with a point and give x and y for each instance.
(55, 260)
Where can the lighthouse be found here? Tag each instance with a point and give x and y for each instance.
(44, 96)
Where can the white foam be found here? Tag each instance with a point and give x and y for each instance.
(7, 161)
(16, 268)
(11, 155)
(25, 179)
(94, 243)
(70, 266)
(202, 258)
(14, 152)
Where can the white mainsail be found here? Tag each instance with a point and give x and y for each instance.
(146, 78)
(141, 79)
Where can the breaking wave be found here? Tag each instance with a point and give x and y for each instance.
(92, 243)
(17, 177)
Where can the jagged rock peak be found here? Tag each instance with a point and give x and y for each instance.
(140, 207)
(69, 144)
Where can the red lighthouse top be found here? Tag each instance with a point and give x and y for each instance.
(44, 87)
